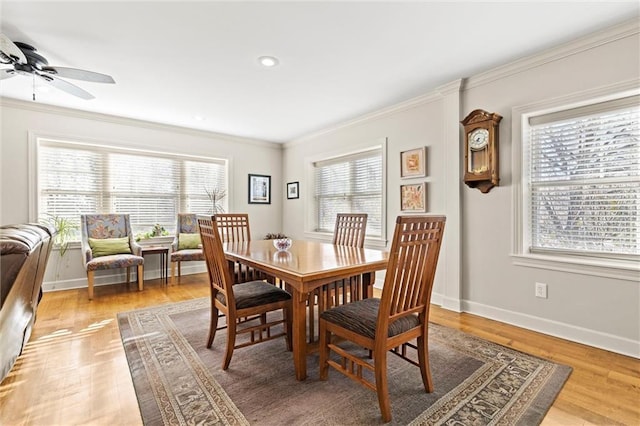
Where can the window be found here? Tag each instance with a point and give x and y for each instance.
(75, 179)
(581, 178)
(350, 184)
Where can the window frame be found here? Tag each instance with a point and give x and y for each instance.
(35, 138)
(310, 224)
(612, 267)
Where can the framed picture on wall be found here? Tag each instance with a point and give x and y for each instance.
(413, 163)
(413, 198)
(259, 189)
(293, 190)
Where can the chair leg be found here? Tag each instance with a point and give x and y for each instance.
(213, 327)
(325, 339)
(173, 273)
(382, 387)
(179, 271)
(90, 278)
(140, 277)
(231, 342)
(423, 359)
(128, 276)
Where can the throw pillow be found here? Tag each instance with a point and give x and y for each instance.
(189, 241)
(109, 246)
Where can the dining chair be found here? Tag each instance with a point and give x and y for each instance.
(252, 299)
(186, 245)
(349, 231)
(395, 319)
(108, 243)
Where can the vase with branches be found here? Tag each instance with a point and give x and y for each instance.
(216, 195)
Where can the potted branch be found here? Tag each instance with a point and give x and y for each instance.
(216, 196)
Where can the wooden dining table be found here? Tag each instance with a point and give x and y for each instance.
(305, 267)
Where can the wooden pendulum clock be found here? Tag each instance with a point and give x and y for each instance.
(481, 150)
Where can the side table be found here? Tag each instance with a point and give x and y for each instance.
(163, 251)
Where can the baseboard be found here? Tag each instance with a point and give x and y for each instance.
(565, 331)
(117, 277)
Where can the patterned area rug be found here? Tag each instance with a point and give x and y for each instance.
(179, 381)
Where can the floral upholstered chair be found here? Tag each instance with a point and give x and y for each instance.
(108, 243)
(186, 245)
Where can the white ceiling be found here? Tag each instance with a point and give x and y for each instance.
(176, 60)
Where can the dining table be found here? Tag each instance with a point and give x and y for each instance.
(303, 268)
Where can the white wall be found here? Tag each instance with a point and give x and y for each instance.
(599, 311)
(19, 119)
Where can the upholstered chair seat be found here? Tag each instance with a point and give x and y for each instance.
(362, 318)
(113, 261)
(187, 255)
(255, 293)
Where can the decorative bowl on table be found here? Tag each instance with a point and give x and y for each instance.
(282, 244)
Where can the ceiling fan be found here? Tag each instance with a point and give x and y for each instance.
(28, 63)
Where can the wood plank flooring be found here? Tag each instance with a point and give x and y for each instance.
(74, 370)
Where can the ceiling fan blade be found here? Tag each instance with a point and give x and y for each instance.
(7, 73)
(78, 74)
(10, 52)
(65, 86)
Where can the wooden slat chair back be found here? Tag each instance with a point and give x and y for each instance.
(253, 299)
(234, 227)
(397, 318)
(350, 229)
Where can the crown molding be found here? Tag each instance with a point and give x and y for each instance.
(590, 41)
(113, 119)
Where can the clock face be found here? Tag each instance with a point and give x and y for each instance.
(478, 139)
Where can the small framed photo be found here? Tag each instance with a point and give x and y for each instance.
(293, 190)
(413, 198)
(413, 163)
(259, 189)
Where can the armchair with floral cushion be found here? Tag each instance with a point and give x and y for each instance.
(186, 245)
(108, 243)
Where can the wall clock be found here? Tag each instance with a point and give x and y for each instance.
(481, 150)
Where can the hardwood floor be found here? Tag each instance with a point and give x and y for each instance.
(74, 370)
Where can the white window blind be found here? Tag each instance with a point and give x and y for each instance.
(584, 180)
(349, 184)
(152, 188)
(200, 180)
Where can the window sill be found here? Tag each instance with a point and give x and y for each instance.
(621, 270)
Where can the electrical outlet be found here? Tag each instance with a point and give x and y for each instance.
(541, 290)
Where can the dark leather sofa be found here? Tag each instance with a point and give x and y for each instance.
(24, 252)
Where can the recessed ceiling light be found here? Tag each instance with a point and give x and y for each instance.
(268, 61)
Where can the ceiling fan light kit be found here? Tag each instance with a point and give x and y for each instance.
(26, 62)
